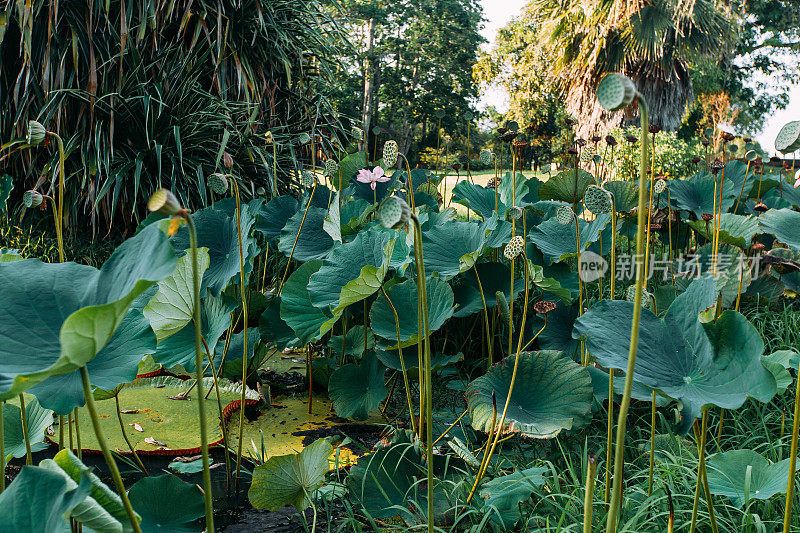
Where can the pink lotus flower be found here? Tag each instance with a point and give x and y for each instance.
(797, 180)
(372, 176)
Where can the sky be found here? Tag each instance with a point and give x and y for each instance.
(499, 12)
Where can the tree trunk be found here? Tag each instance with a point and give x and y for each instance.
(371, 74)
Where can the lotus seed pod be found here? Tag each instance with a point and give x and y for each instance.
(630, 295)
(788, 139)
(716, 165)
(390, 153)
(32, 199)
(564, 215)
(514, 212)
(751, 155)
(218, 183)
(487, 157)
(394, 212)
(543, 307)
(164, 202)
(660, 186)
(597, 200)
(304, 138)
(261, 191)
(331, 167)
(36, 133)
(586, 155)
(307, 179)
(615, 92)
(760, 207)
(514, 247)
(439, 113)
(468, 115)
(502, 306)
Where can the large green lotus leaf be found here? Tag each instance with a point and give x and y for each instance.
(784, 192)
(232, 367)
(344, 221)
(736, 230)
(500, 232)
(503, 495)
(401, 252)
(117, 363)
(735, 172)
(549, 284)
(6, 186)
(727, 473)
(557, 241)
(357, 389)
(164, 419)
(38, 500)
(54, 318)
(404, 299)
(783, 224)
(700, 364)
(697, 194)
(493, 277)
(99, 491)
(477, 198)
(348, 167)
(290, 479)
(313, 241)
(217, 231)
(352, 343)
(172, 306)
(453, 247)
(308, 321)
(10, 255)
(274, 215)
(625, 193)
(563, 187)
(391, 359)
(352, 271)
(178, 349)
(272, 327)
(167, 504)
(638, 391)
(551, 393)
(39, 419)
(513, 191)
(557, 335)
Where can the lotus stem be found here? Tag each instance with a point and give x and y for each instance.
(223, 425)
(422, 296)
(127, 440)
(652, 443)
(409, 187)
(294, 245)
(60, 432)
(25, 435)
(613, 247)
(619, 451)
(198, 361)
(402, 360)
(671, 522)
(744, 182)
(485, 316)
(60, 195)
(701, 476)
(309, 377)
(112, 465)
(451, 426)
(79, 449)
(609, 432)
(787, 517)
(485, 458)
(2, 448)
(591, 470)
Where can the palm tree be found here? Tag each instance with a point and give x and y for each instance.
(652, 42)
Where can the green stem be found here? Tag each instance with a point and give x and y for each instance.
(787, 517)
(402, 360)
(609, 432)
(243, 293)
(101, 440)
(619, 451)
(700, 468)
(198, 361)
(423, 298)
(25, 435)
(2, 448)
(591, 469)
(652, 443)
(79, 448)
(127, 440)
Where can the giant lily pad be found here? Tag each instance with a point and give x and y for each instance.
(697, 194)
(308, 321)
(557, 241)
(783, 224)
(54, 318)
(404, 299)
(167, 504)
(563, 187)
(700, 364)
(290, 479)
(728, 473)
(217, 231)
(478, 198)
(352, 272)
(169, 421)
(551, 393)
(357, 389)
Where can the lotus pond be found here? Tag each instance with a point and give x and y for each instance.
(594, 347)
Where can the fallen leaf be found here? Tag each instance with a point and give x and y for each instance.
(184, 459)
(129, 411)
(137, 427)
(178, 397)
(154, 442)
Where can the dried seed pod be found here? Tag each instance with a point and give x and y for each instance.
(660, 186)
(707, 217)
(611, 140)
(631, 139)
(331, 167)
(543, 307)
(514, 247)
(716, 165)
(654, 128)
(390, 152)
(760, 207)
